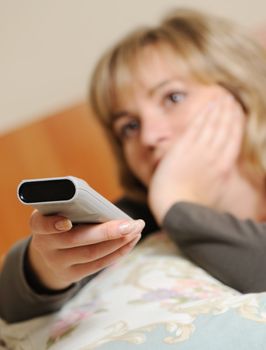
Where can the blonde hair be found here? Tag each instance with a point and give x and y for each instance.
(215, 52)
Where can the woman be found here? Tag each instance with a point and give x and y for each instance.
(183, 106)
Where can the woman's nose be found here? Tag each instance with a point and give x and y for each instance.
(154, 129)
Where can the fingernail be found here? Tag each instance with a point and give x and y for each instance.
(63, 225)
(130, 226)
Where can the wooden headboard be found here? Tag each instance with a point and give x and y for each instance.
(67, 143)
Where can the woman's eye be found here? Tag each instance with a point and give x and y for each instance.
(128, 129)
(175, 97)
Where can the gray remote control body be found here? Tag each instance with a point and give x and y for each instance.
(70, 197)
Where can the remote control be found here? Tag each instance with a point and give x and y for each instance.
(68, 196)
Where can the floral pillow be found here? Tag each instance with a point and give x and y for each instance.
(152, 299)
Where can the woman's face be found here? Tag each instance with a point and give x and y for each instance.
(157, 110)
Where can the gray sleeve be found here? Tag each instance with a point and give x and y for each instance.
(232, 250)
(18, 301)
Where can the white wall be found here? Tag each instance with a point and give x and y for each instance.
(48, 47)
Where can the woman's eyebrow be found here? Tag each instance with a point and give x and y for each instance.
(160, 85)
(117, 115)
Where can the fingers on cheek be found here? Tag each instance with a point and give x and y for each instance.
(235, 113)
(233, 146)
(228, 158)
(232, 152)
(230, 126)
